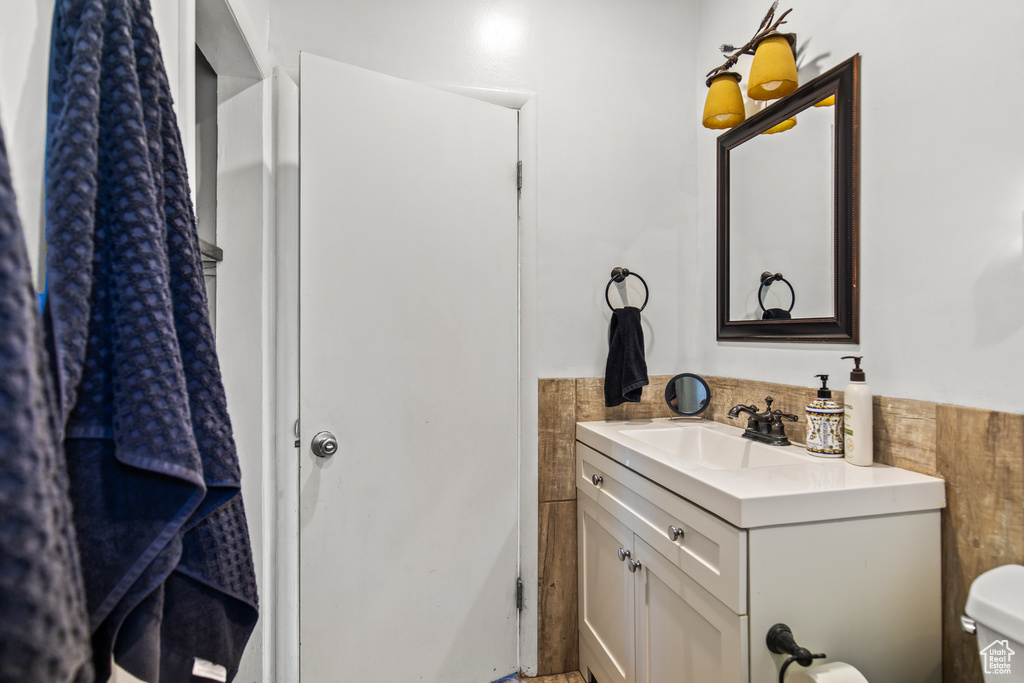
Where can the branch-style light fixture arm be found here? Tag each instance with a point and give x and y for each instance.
(773, 74)
(764, 29)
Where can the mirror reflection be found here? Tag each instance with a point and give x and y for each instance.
(687, 394)
(781, 189)
(776, 302)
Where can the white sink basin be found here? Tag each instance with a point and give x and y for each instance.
(752, 484)
(714, 450)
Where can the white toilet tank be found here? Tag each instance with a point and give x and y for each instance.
(995, 608)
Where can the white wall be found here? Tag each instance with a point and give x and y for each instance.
(624, 165)
(24, 55)
(942, 200)
(616, 159)
(24, 51)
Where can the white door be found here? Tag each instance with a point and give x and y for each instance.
(683, 632)
(409, 356)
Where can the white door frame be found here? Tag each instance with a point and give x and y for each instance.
(529, 370)
(227, 40)
(526, 103)
(286, 136)
(286, 171)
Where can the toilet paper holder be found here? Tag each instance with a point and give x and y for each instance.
(780, 640)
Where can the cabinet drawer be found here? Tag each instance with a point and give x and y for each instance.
(710, 550)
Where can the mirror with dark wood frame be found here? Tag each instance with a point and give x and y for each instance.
(787, 215)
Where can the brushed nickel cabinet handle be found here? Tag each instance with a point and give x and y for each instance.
(597, 479)
(675, 533)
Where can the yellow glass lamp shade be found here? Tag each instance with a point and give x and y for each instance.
(724, 106)
(827, 102)
(773, 73)
(780, 127)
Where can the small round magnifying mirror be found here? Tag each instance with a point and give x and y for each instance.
(687, 394)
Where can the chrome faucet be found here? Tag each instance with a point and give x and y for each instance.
(765, 427)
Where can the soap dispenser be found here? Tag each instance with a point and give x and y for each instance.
(825, 424)
(857, 418)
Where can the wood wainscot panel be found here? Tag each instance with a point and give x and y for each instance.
(557, 628)
(981, 456)
(905, 433)
(590, 401)
(556, 457)
(904, 429)
(727, 392)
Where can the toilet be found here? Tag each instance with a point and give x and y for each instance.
(995, 612)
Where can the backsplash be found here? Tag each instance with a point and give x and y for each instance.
(980, 454)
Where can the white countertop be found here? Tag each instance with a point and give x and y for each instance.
(805, 489)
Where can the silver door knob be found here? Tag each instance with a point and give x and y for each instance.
(597, 479)
(324, 445)
(675, 533)
(634, 565)
(623, 554)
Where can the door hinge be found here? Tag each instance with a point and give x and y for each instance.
(519, 595)
(519, 175)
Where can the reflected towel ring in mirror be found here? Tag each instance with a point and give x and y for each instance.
(618, 275)
(687, 394)
(767, 278)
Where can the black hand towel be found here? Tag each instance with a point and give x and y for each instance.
(625, 374)
(776, 314)
(44, 637)
(154, 475)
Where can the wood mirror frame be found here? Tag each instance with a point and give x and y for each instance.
(843, 326)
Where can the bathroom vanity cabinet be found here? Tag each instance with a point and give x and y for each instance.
(669, 591)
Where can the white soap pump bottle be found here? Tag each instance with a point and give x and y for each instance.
(857, 418)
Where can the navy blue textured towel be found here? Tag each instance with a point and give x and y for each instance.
(43, 632)
(153, 470)
(625, 373)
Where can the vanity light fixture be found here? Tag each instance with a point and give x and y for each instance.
(773, 73)
(724, 106)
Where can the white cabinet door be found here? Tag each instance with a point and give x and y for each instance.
(605, 591)
(683, 633)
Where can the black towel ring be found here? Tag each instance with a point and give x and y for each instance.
(767, 279)
(618, 275)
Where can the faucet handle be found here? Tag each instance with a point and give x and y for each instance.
(776, 427)
(768, 404)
